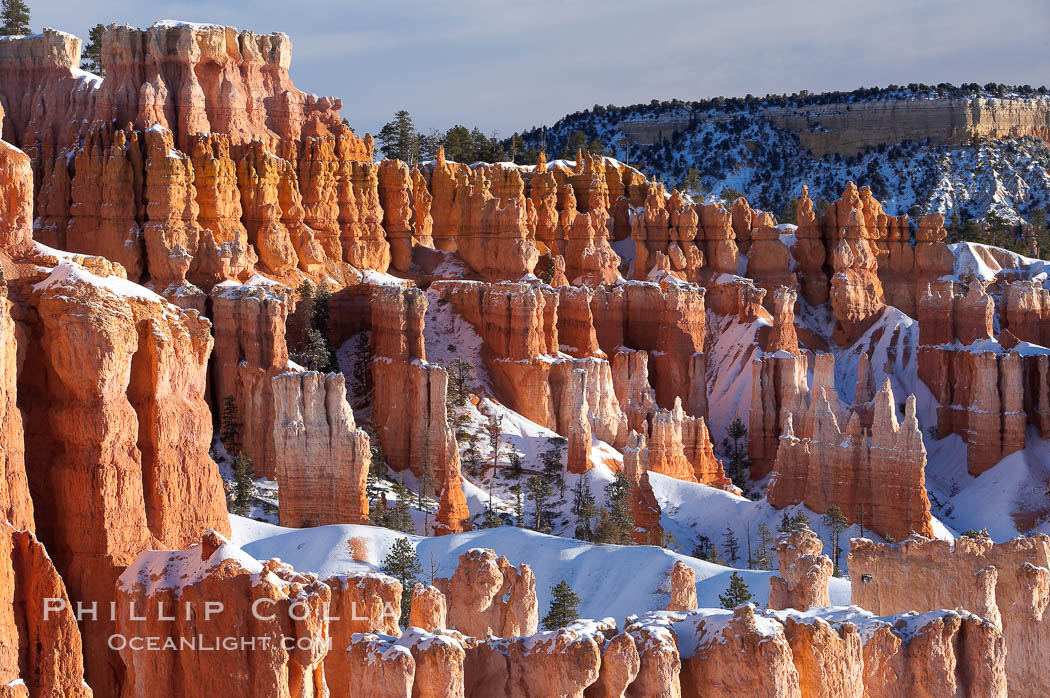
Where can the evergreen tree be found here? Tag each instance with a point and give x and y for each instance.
(458, 145)
(706, 550)
(14, 18)
(736, 594)
(399, 138)
(230, 427)
(730, 544)
(564, 608)
(735, 448)
(767, 548)
(91, 56)
(399, 518)
(317, 353)
(836, 521)
(538, 489)
(615, 522)
(403, 564)
(551, 459)
(583, 509)
(519, 509)
(800, 520)
(317, 356)
(243, 484)
(490, 519)
(378, 466)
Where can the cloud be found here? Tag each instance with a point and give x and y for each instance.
(506, 66)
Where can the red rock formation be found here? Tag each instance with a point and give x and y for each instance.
(768, 261)
(259, 180)
(1026, 311)
(208, 78)
(360, 604)
(738, 656)
(231, 596)
(395, 197)
(40, 654)
(487, 595)
(683, 588)
(171, 232)
(322, 457)
(672, 434)
(124, 408)
(668, 226)
(318, 168)
(364, 243)
(669, 322)
(716, 227)
(16, 506)
(981, 389)
(575, 325)
(380, 666)
(637, 398)
(619, 668)
(429, 609)
(810, 253)
(409, 410)
(250, 350)
(875, 476)
(778, 385)
(645, 510)
(856, 291)
(107, 209)
(422, 220)
(562, 662)
(1006, 583)
(543, 192)
(829, 659)
(574, 406)
(804, 572)
(589, 259)
(659, 661)
(495, 235)
(219, 204)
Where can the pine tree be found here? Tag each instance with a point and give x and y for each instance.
(490, 519)
(584, 509)
(494, 429)
(230, 427)
(735, 448)
(399, 517)
(14, 18)
(564, 608)
(399, 138)
(91, 57)
(736, 594)
(767, 548)
(538, 489)
(317, 353)
(519, 509)
(552, 462)
(243, 483)
(730, 543)
(836, 521)
(617, 496)
(403, 564)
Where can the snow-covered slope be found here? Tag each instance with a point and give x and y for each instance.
(611, 580)
(733, 144)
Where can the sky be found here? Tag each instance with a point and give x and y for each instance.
(507, 66)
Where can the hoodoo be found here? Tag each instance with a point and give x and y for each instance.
(289, 411)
